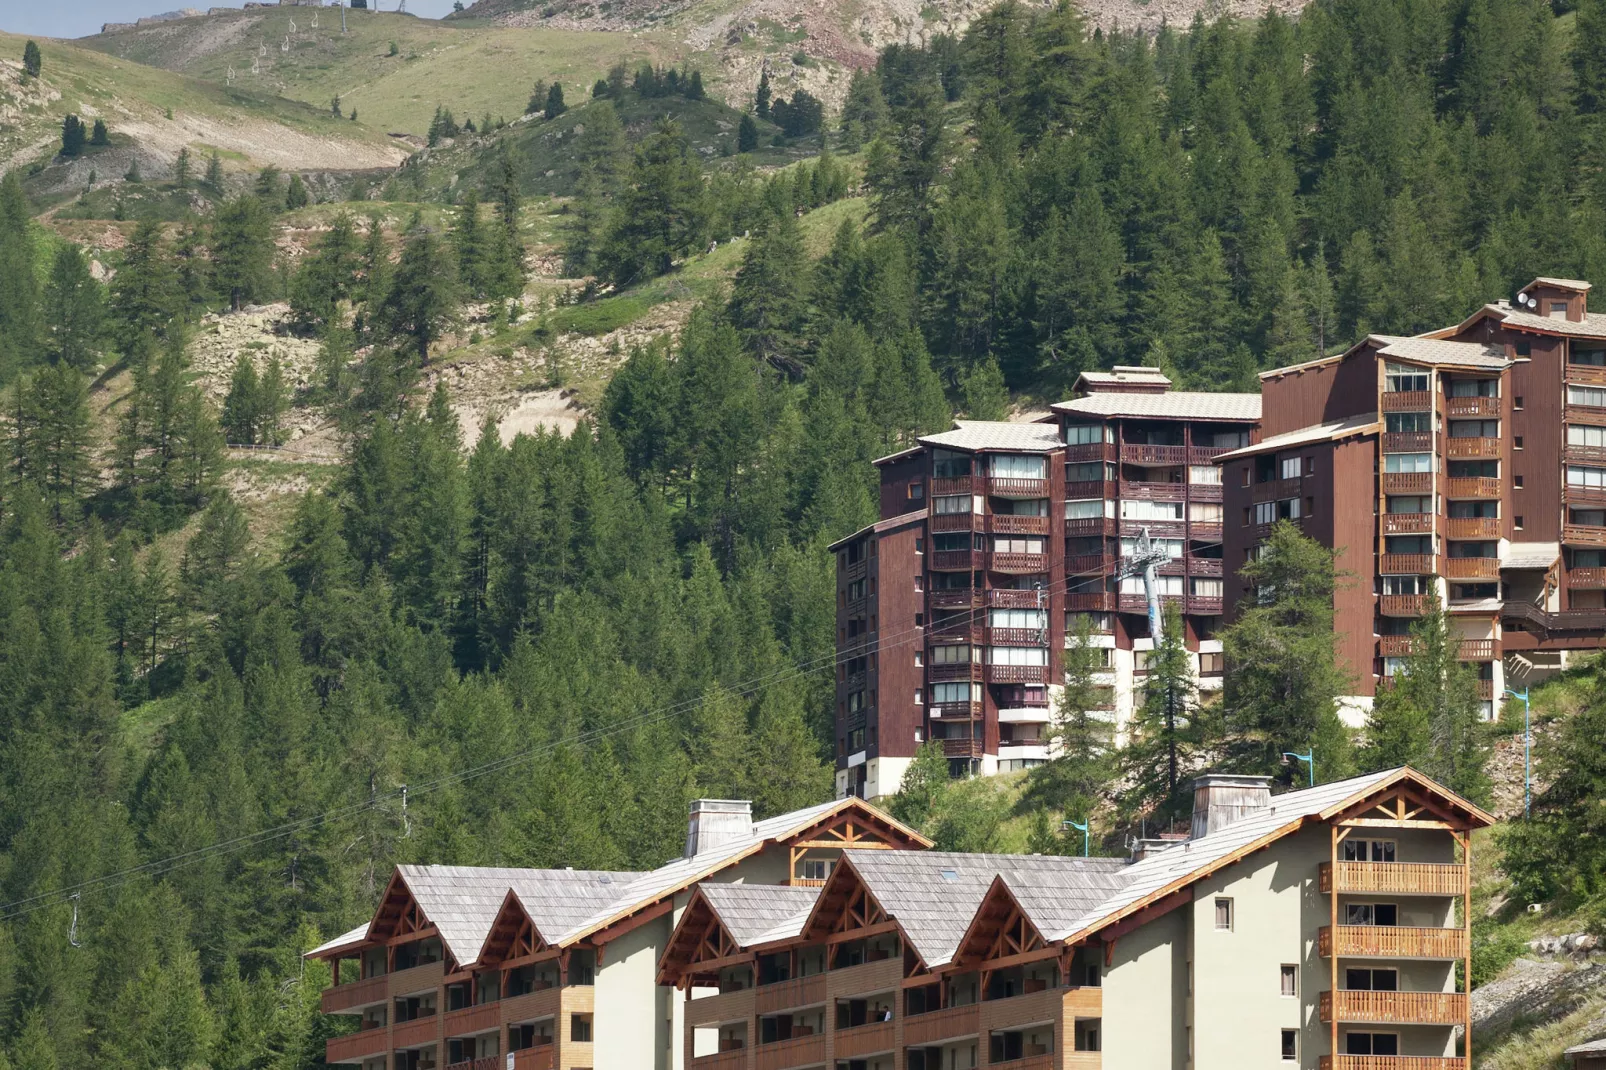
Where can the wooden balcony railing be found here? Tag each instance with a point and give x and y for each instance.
(1017, 636)
(731, 1059)
(1472, 487)
(1010, 487)
(1017, 674)
(961, 748)
(1203, 605)
(1475, 650)
(470, 1020)
(1593, 374)
(1407, 523)
(1087, 452)
(1159, 529)
(1205, 566)
(1460, 448)
(968, 670)
(1273, 489)
(1584, 454)
(1082, 489)
(1397, 878)
(1392, 942)
(1141, 454)
(1407, 441)
(790, 995)
(857, 569)
(1098, 525)
(355, 995)
(956, 631)
(1407, 482)
(1154, 492)
(1407, 401)
(1486, 690)
(1406, 564)
(416, 1033)
(949, 1023)
(1394, 646)
(538, 1057)
(1012, 599)
(957, 711)
(1472, 527)
(1472, 406)
(1581, 495)
(1204, 492)
(955, 598)
(1207, 454)
(487, 1062)
(1587, 579)
(1391, 1062)
(954, 485)
(1097, 602)
(1008, 524)
(956, 522)
(955, 560)
(355, 1046)
(1040, 1061)
(1018, 563)
(1089, 564)
(1402, 605)
(784, 1054)
(1204, 529)
(1402, 1008)
(1472, 568)
(1583, 535)
(862, 1040)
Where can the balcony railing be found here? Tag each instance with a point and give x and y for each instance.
(1203, 605)
(1089, 488)
(354, 1046)
(1017, 674)
(968, 670)
(790, 995)
(1486, 690)
(1089, 564)
(355, 995)
(537, 1057)
(1584, 454)
(956, 522)
(416, 1033)
(1407, 441)
(1407, 482)
(1154, 492)
(955, 598)
(1204, 566)
(862, 1040)
(1393, 942)
(1017, 636)
(470, 1020)
(1472, 487)
(783, 1054)
(1391, 1062)
(1087, 452)
(1472, 568)
(955, 560)
(730, 1059)
(1472, 406)
(1583, 535)
(954, 485)
(1587, 579)
(1403, 1008)
(1012, 599)
(488, 1062)
(957, 711)
(1273, 489)
(1406, 564)
(1407, 523)
(1456, 448)
(1204, 492)
(1394, 646)
(1593, 374)
(1407, 401)
(1096, 602)
(1402, 605)
(1009, 487)
(1082, 528)
(1142, 454)
(961, 748)
(1475, 650)
(955, 632)
(1579, 495)
(949, 1023)
(1018, 563)
(1207, 454)
(1007, 524)
(1472, 527)
(1396, 878)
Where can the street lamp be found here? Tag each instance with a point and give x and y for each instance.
(1527, 746)
(1308, 759)
(1080, 827)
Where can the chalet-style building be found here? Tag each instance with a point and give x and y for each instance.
(485, 969)
(1320, 929)
(999, 540)
(1468, 463)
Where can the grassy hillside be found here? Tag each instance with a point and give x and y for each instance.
(471, 66)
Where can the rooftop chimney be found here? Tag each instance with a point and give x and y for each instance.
(715, 823)
(1220, 799)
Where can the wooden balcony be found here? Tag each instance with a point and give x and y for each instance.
(1009, 487)
(1096, 602)
(731, 1059)
(1273, 489)
(955, 485)
(1406, 564)
(538, 1057)
(1204, 529)
(1402, 605)
(1587, 579)
(1407, 441)
(1017, 636)
(1486, 690)
(1394, 646)
(1204, 492)
(1041, 1061)
(1395, 878)
(1472, 568)
(968, 670)
(1472, 527)
(418, 980)
(1203, 605)
(789, 995)
(1395, 1008)
(1207, 454)
(724, 1007)
(1154, 492)
(531, 1006)
(1472, 487)
(1081, 529)
(957, 711)
(1407, 401)
(1590, 374)
(1089, 564)
(1018, 563)
(416, 1033)
(784, 1054)
(1464, 448)
(1583, 535)
(1407, 523)
(1392, 942)
(1082, 489)
(1392, 1062)
(1204, 566)
(1154, 455)
(1475, 650)
(1008, 598)
(1159, 529)
(1407, 482)
(862, 1040)
(955, 598)
(470, 1020)
(1080, 1060)
(857, 570)
(1458, 407)
(488, 1062)
(1007, 524)
(1575, 494)
(956, 560)
(949, 1023)
(1584, 454)
(1017, 674)
(944, 522)
(955, 632)
(355, 1047)
(961, 748)
(1088, 452)
(354, 996)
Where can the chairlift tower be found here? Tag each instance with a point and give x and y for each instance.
(1142, 562)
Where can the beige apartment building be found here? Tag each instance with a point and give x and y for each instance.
(1319, 929)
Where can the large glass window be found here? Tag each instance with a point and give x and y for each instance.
(1017, 465)
(1087, 434)
(957, 503)
(1404, 585)
(1137, 509)
(1017, 655)
(1090, 472)
(1163, 585)
(1474, 388)
(1406, 422)
(960, 692)
(1585, 435)
(1401, 377)
(1410, 503)
(1474, 428)
(1172, 547)
(1204, 587)
(945, 464)
(1205, 512)
(951, 655)
(1474, 549)
(1089, 509)
(1589, 518)
(1593, 396)
(1020, 507)
(1015, 544)
(1474, 469)
(1204, 474)
(1581, 476)
(1408, 462)
(1595, 358)
(1221, 439)
(1408, 544)
(1017, 618)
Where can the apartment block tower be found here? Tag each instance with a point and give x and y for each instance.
(1467, 464)
(999, 540)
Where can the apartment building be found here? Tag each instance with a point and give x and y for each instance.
(471, 968)
(1467, 464)
(1319, 929)
(997, 540)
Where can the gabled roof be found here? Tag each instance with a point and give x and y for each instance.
(1124, 375)
(1420, 350)
(345, 940)
(998, 435)
(1593, 325)
(889, 524)
(1172, 405)
(1530, 555)
(1364, 424)
(1560, 284)
(759, 913)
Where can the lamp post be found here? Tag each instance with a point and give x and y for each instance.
(1527, 746)
(1308, 759)
(1080, 827)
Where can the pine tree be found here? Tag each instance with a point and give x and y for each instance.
(769, 298)
(74, 311)
(421, 302)
(1079, 771)
(19, 287)
(295, 194)
(72, 136)
(181, 169)
(242, 249)
(746, 134)
(761, 98)
(864, 112)
(983, 395)
(242, 407)
(470, 242)
(694, 86)
(662, 210)
(554, 102)
(100, 136)
(214, 173)
(334, 107)
(31, 62)
(52, 439)
(145, 298)
(1165, 733)
(537, 102)
(272, 401)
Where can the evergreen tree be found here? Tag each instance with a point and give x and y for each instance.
(694, 86)
(52, 439)
(214, 173)
(537, 101)
(168, 451)
(601, 150)
(242, 249)
(181, 169)
(421, 301)
(761, 97)
(145, 300)
(470, 243)
(1166, 731)
(72, 136)
(662, 210)
(746, 134)
(554, 102)
(769, 299)
(329, 275)
(924, 788)
(19, 286)
(334, 107)
(73, 311)
(243, 405)
(295, 194)
(99, 136)
(1073, 780)
(272, 401)
(864, 112)
(31, 62)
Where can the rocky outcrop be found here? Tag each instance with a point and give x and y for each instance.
(1536, 990)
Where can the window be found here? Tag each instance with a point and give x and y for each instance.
(1221, 440)
(1371, 914)
(1589, 559)
(1516, 442)
(1204, 473)
(920, 697)
(1165, 512)
(1206, 588)
(1580, 476)
(1290, 980)
(1463, 510)
(1593, 396)
(1018, 507)
(1163, 585)
(1474, 428)
(1523, 348)
(1595, 358)
(1265, 512)
(1089, 509)
(1017, 466)
(945, 464)
(1017, 618)
(1401, 377)
(1172, 547)
(1410, 503)
(580, 1028)
(1517, 521)
(1474, 388)
(1371, 1044)
(1558, 310)
(1290, 468)
(1408, 544)
(954, 503)
(1290, 1045)
(1205, 512)
(950, 655)
(1474, 549)
(1408, 422)
(917, 491)
(1402, 585)
(1096, 623)
(1589, 518)
(1408, 462)
(1017, 545)
(1585, 435)
(1361, 979)
(1212, 663)
(1368, 850)
(1224, 914)
(943, 694)
(815, 869)
(1087, 434)
(1476, 470)
(1090, 472)
(1017, 655)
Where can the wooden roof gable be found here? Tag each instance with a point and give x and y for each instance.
(860, 827)
(513, 937)
(846, 909)
(1001, 934)
(700, 940)
(399, 916)
(1409, 799)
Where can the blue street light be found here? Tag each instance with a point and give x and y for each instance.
(1308, 759)
(1082, 828)
(1527, 745)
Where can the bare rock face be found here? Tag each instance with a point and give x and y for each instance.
(1541, 990)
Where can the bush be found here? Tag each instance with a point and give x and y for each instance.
(1494, 947)
(600, 317)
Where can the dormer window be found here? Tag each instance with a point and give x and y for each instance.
(1558, 310)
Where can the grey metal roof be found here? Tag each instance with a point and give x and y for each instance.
(759, 913)
(462, 901)
(1593, 325)
(1173, 405)
(1439, 351)
(1364, 424)
(998, 435)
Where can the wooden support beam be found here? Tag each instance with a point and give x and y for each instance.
(1397, 823)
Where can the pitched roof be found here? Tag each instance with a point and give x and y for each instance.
(1587, 1048)
(1173, 405)
(1364, 424)
(1560, 284)
(1523, 555)
(759, 913)
(1593, 325)
(1438, 351)
(1124, 375)
(879, 526)
(1053, 897)
(998, 435)
(355, 936)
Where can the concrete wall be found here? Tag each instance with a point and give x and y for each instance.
(631, 1033)
(1146, 997)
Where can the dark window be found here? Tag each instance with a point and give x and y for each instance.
(580, 1028)
(1290, 1045)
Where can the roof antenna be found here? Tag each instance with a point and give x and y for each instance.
(72, 931)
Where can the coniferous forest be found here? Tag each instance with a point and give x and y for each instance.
(535, 654)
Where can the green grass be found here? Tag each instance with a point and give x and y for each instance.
(603, 316)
